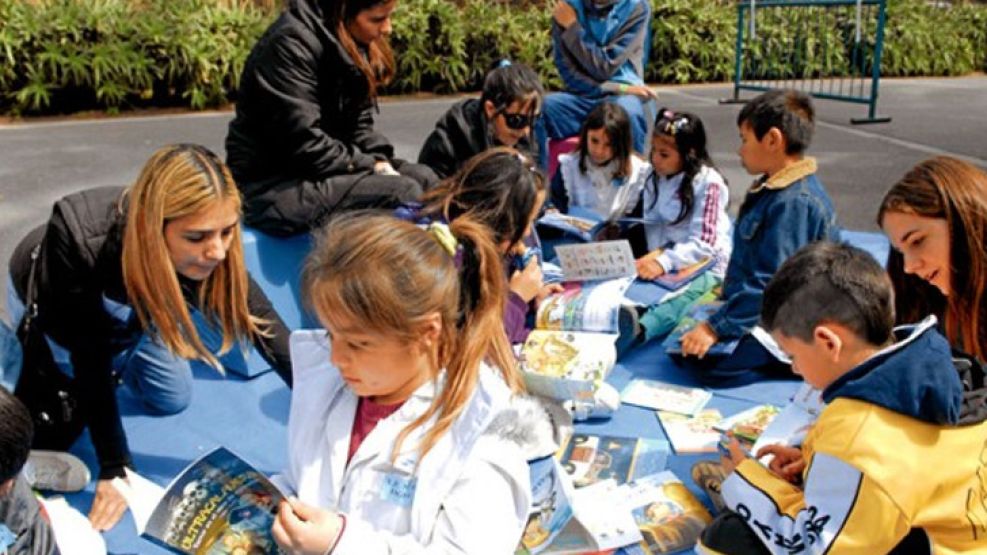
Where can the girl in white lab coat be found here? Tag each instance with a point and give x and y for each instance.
(405, 434)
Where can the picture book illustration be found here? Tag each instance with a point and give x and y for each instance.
(588, 459)
(583, 306)
(218, 505)
(692, 434)
(793, 421)
(596, 261)
(669, 517)
(550, 506)
(749, 424)
(566, 365)
(665, 397)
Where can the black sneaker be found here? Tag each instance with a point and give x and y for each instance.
(629, 331)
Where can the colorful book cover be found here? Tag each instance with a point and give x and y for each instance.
(665, 397)
(692, 434)
(219, 504)
(564, 365)
(674, 281)
(596, 261)
(551, 508)
(669, 517)
(749, 424)
(587, 459)
(584, 306)
(793, 422)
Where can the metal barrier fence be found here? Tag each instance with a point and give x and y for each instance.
(830, 49)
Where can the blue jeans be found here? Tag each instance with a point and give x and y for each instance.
(563, 115)
(161, 379)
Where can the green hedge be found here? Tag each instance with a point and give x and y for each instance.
(68, 55)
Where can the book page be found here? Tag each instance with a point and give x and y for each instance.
(669, 517)
(584, 306)
(665, 397)
(564, 365)
(597, 261)
(142, 496)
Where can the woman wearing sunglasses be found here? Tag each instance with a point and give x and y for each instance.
(503, 116)
(303, 145)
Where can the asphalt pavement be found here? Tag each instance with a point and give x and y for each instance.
(40, 161)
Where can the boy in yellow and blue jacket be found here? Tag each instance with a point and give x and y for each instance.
(894, 462)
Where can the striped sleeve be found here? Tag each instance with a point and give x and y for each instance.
(701, 233)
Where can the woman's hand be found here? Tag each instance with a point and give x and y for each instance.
(108, 506)
(527, 283)
(697, 341)
(383, 167)
(302, 529)
(787, 462)
(648, 267)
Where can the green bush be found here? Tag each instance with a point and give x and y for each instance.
(67, 55)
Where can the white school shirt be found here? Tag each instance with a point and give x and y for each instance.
(609, 199)
(471, 493)
(706, 232)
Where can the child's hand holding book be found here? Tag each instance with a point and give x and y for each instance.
(787, 462)
(648, 266)
(302, 529)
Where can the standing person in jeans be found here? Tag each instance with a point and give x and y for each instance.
(134, 284)
(601, 47)
(303, 144)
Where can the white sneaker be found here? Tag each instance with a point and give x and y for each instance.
(55, 471)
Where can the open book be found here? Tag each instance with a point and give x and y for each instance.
(585, 226)
(217, 504)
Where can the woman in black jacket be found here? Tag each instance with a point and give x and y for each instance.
(303, 145)
(134, 284)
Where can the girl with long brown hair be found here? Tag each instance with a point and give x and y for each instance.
(303, 146)
(936, 220)
(404, 424)
(131, 285)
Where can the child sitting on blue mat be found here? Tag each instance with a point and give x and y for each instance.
(785, 209)
(894, 412)
(502, 116)
(603, 176)
(403, 434)
(684, 206)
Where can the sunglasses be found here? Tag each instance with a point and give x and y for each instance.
(519, 121)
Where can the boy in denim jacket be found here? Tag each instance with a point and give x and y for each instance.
(785, 209)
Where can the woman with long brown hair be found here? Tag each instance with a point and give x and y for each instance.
(936, 219)
(133, 284)
(303, 146)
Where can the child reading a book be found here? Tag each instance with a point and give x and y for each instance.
(402, 434)
(687, 200)
(892, 414)
(785, 209)
(501, 189)
(603, 176)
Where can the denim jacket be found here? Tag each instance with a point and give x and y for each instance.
(780, 215)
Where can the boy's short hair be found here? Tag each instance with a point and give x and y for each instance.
(790, 111)
(828, 282)
(508, 82)
(16, 434)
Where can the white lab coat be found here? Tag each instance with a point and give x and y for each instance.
(470, 494)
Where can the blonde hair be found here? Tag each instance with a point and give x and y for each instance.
(955, 191)
(387, 276)
(182, 180)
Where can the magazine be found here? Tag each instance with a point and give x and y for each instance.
(665, 397)
(669, 517)
(588, 458)
(692, 434)
(218, 504)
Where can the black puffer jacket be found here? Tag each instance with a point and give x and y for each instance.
(79, 263)
(303, 110)
(461, 133)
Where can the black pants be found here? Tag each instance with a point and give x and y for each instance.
(284, 207)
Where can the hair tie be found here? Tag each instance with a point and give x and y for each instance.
(444, 237)
(504, 63)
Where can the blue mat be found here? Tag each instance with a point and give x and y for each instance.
(249, 415)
